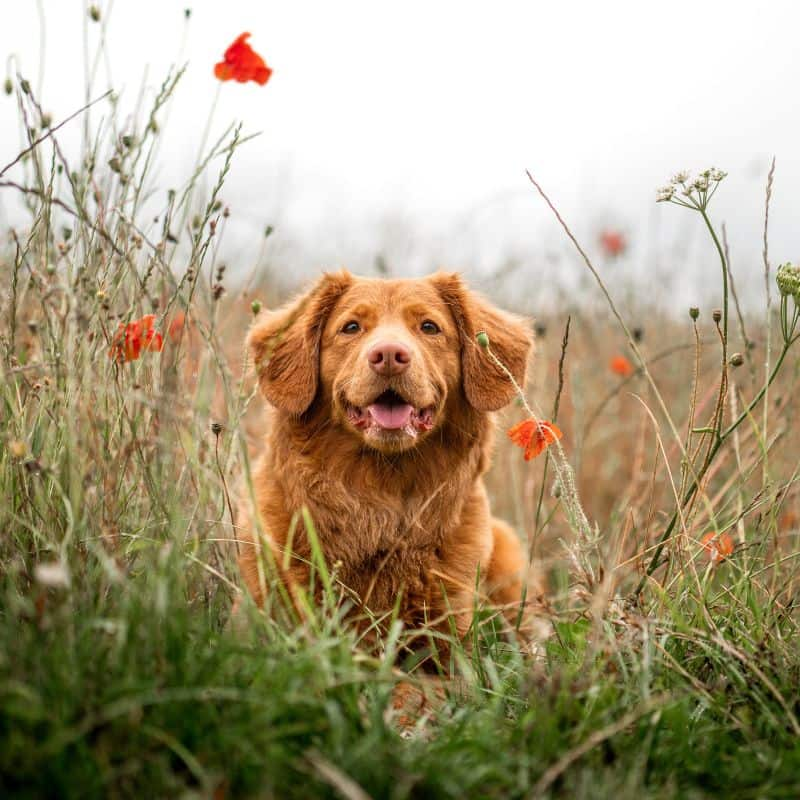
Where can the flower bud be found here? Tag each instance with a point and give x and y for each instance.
(694, 312)
(8, 86)
(25, 86)
(94, 13)
(737, 359)
(788, 279)
(716, 315)
(216, 428)
(483, 339)
(255, 307)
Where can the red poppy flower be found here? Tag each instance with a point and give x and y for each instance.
(620, 365)
(718, 546)
(175, 329)
(534, 435)
(242, 64)
(131, 339)
(613, 243)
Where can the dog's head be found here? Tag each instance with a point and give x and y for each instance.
(385, 359)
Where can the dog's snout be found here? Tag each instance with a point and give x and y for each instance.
(389, 358)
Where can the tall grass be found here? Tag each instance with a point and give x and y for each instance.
(657, 670)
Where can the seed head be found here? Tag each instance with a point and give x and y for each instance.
(216, 428)
(788, 280)
(694, 312)
(716, 315)
(17, 448)
(737, 359)
(483, 339)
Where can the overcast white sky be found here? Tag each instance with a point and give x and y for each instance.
(386, 119)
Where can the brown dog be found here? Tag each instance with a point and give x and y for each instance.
(381, 428)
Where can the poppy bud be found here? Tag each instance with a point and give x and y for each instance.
(8, 86)
(216, 428)
(187, 12)
(716, 315)
(737, 359)
(94, 13)
(127, 141)
(268, 231)
(483, 339)
(255, 306)
(25, 86)
(638, 334)
(47, 120)
(694, 312)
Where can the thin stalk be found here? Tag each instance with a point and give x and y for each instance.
(718, 442)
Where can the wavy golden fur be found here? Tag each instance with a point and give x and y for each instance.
(380, 424)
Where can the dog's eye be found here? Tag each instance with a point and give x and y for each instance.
(429, 327)
(351, 327)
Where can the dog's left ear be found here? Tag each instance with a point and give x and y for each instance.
(285, 344)
(486, 386)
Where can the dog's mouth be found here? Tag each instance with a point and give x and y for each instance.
(391, 412)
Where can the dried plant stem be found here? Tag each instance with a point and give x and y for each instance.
(767, 288)
(612, 305)
(655, 561)
(556, 403)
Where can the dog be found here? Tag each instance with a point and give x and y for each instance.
(381, 426)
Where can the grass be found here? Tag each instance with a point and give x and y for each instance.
(658, 674)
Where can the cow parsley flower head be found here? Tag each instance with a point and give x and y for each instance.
(665, 194)
(691, 192)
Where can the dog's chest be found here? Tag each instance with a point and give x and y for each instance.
(358, 530)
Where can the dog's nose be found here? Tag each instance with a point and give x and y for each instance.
(389, 358)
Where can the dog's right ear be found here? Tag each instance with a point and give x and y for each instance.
(285, 344)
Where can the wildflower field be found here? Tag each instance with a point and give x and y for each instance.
(657, 496)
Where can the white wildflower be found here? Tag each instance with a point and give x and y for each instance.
(680, 177)
(665, 194)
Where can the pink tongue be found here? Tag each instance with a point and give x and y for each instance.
(391, 417)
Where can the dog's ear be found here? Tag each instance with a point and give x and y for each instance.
(285, 344)
(486, 386)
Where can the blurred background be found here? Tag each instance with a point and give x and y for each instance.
(395, 139)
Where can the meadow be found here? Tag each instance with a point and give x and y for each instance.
(666, 523)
